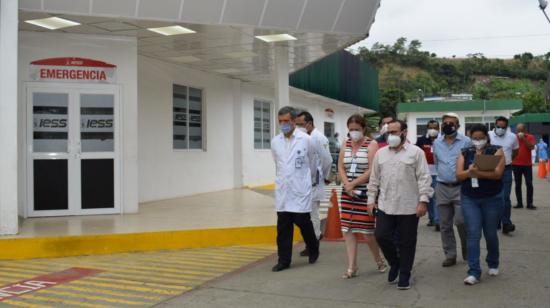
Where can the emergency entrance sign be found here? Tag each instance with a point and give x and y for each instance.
(78, 70)
(44, 282)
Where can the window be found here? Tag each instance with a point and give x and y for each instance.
(262, 125)
(187, 124)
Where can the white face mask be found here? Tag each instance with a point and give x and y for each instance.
(355, 135)
(433, 132)
(302, 129)
(500, 131)
(394, 141)
(479, 144)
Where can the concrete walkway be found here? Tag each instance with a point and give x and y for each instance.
(524, 280)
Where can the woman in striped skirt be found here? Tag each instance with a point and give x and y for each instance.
(353, 167)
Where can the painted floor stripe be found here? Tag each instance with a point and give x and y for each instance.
(129, 279)
(91, 297)
(109, 292)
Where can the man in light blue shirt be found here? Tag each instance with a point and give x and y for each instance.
(447, 191)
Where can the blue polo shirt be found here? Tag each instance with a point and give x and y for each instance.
(446, 154)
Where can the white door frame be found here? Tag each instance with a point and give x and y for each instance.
(74, 155)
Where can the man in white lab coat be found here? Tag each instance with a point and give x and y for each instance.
(322, 164)
(293, 152)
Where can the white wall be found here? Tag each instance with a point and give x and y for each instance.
(9, 160)
(167, 173)
(120, 51)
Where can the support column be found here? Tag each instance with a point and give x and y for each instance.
(281, 78)
(8, 117)
(237, 134)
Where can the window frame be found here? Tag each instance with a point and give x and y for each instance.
(203, 118)
(271, 121)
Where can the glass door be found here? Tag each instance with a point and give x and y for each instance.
(72, 163)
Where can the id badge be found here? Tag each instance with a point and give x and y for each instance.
(353, 167)
(299, 162)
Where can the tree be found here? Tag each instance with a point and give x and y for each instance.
(533, 102)
(389, 99)
(414, 47)
(399, 46)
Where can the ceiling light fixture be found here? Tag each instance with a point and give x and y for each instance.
(171, 30)
(52, 23)
(276, 38)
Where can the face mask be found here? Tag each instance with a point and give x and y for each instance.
(394, 141)
(479, 144)
(499, 131)
(449, 129)
(355, 135)
(286, 128)
(433, 132)
(302, 129)
(384, 129)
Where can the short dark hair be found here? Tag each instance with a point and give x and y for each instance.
(432, 122)
(383, 116)
(402, 124)
(288, 110)
(479, 128)
(502, 119)
(307, 116)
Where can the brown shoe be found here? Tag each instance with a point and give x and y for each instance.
(449, 262)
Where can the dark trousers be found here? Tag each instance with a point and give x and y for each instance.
(527, 172)
(406, 226)
(285, 234)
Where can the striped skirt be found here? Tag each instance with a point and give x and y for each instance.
(354, 216)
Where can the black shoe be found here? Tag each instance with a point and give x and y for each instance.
(404, 282)
(304, 253)
(531, 207)
(321, 236)
(437, 228)
(508, 228)
(430, 224)
(313, 258)
(279, 267)
(519, 206)
(393, 274)
(449, 262)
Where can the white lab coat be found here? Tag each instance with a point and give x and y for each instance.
(293, 161)
(322, 164)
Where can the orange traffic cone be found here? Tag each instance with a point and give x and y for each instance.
(542, 169)
(548, 165)
(333, 229)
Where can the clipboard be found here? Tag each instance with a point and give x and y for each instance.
(487, 162)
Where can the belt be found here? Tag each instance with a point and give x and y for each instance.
(455, 184)
(508, 166)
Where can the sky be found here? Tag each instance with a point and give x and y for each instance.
(496, 28)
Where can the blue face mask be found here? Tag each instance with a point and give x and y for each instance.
(286, 128)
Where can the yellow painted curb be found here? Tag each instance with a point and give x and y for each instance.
(264, 187)
(65, 246)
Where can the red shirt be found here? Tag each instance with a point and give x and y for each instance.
(524, 155)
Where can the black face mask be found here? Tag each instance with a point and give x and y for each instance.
(449, 129)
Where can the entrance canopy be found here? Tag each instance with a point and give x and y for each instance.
(224, 38)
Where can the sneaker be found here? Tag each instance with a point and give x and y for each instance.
(493, 272)
(404, 281)
(393, 274)
(471, 280)
(531, 207)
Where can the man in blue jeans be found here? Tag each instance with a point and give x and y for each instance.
(503, 137)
